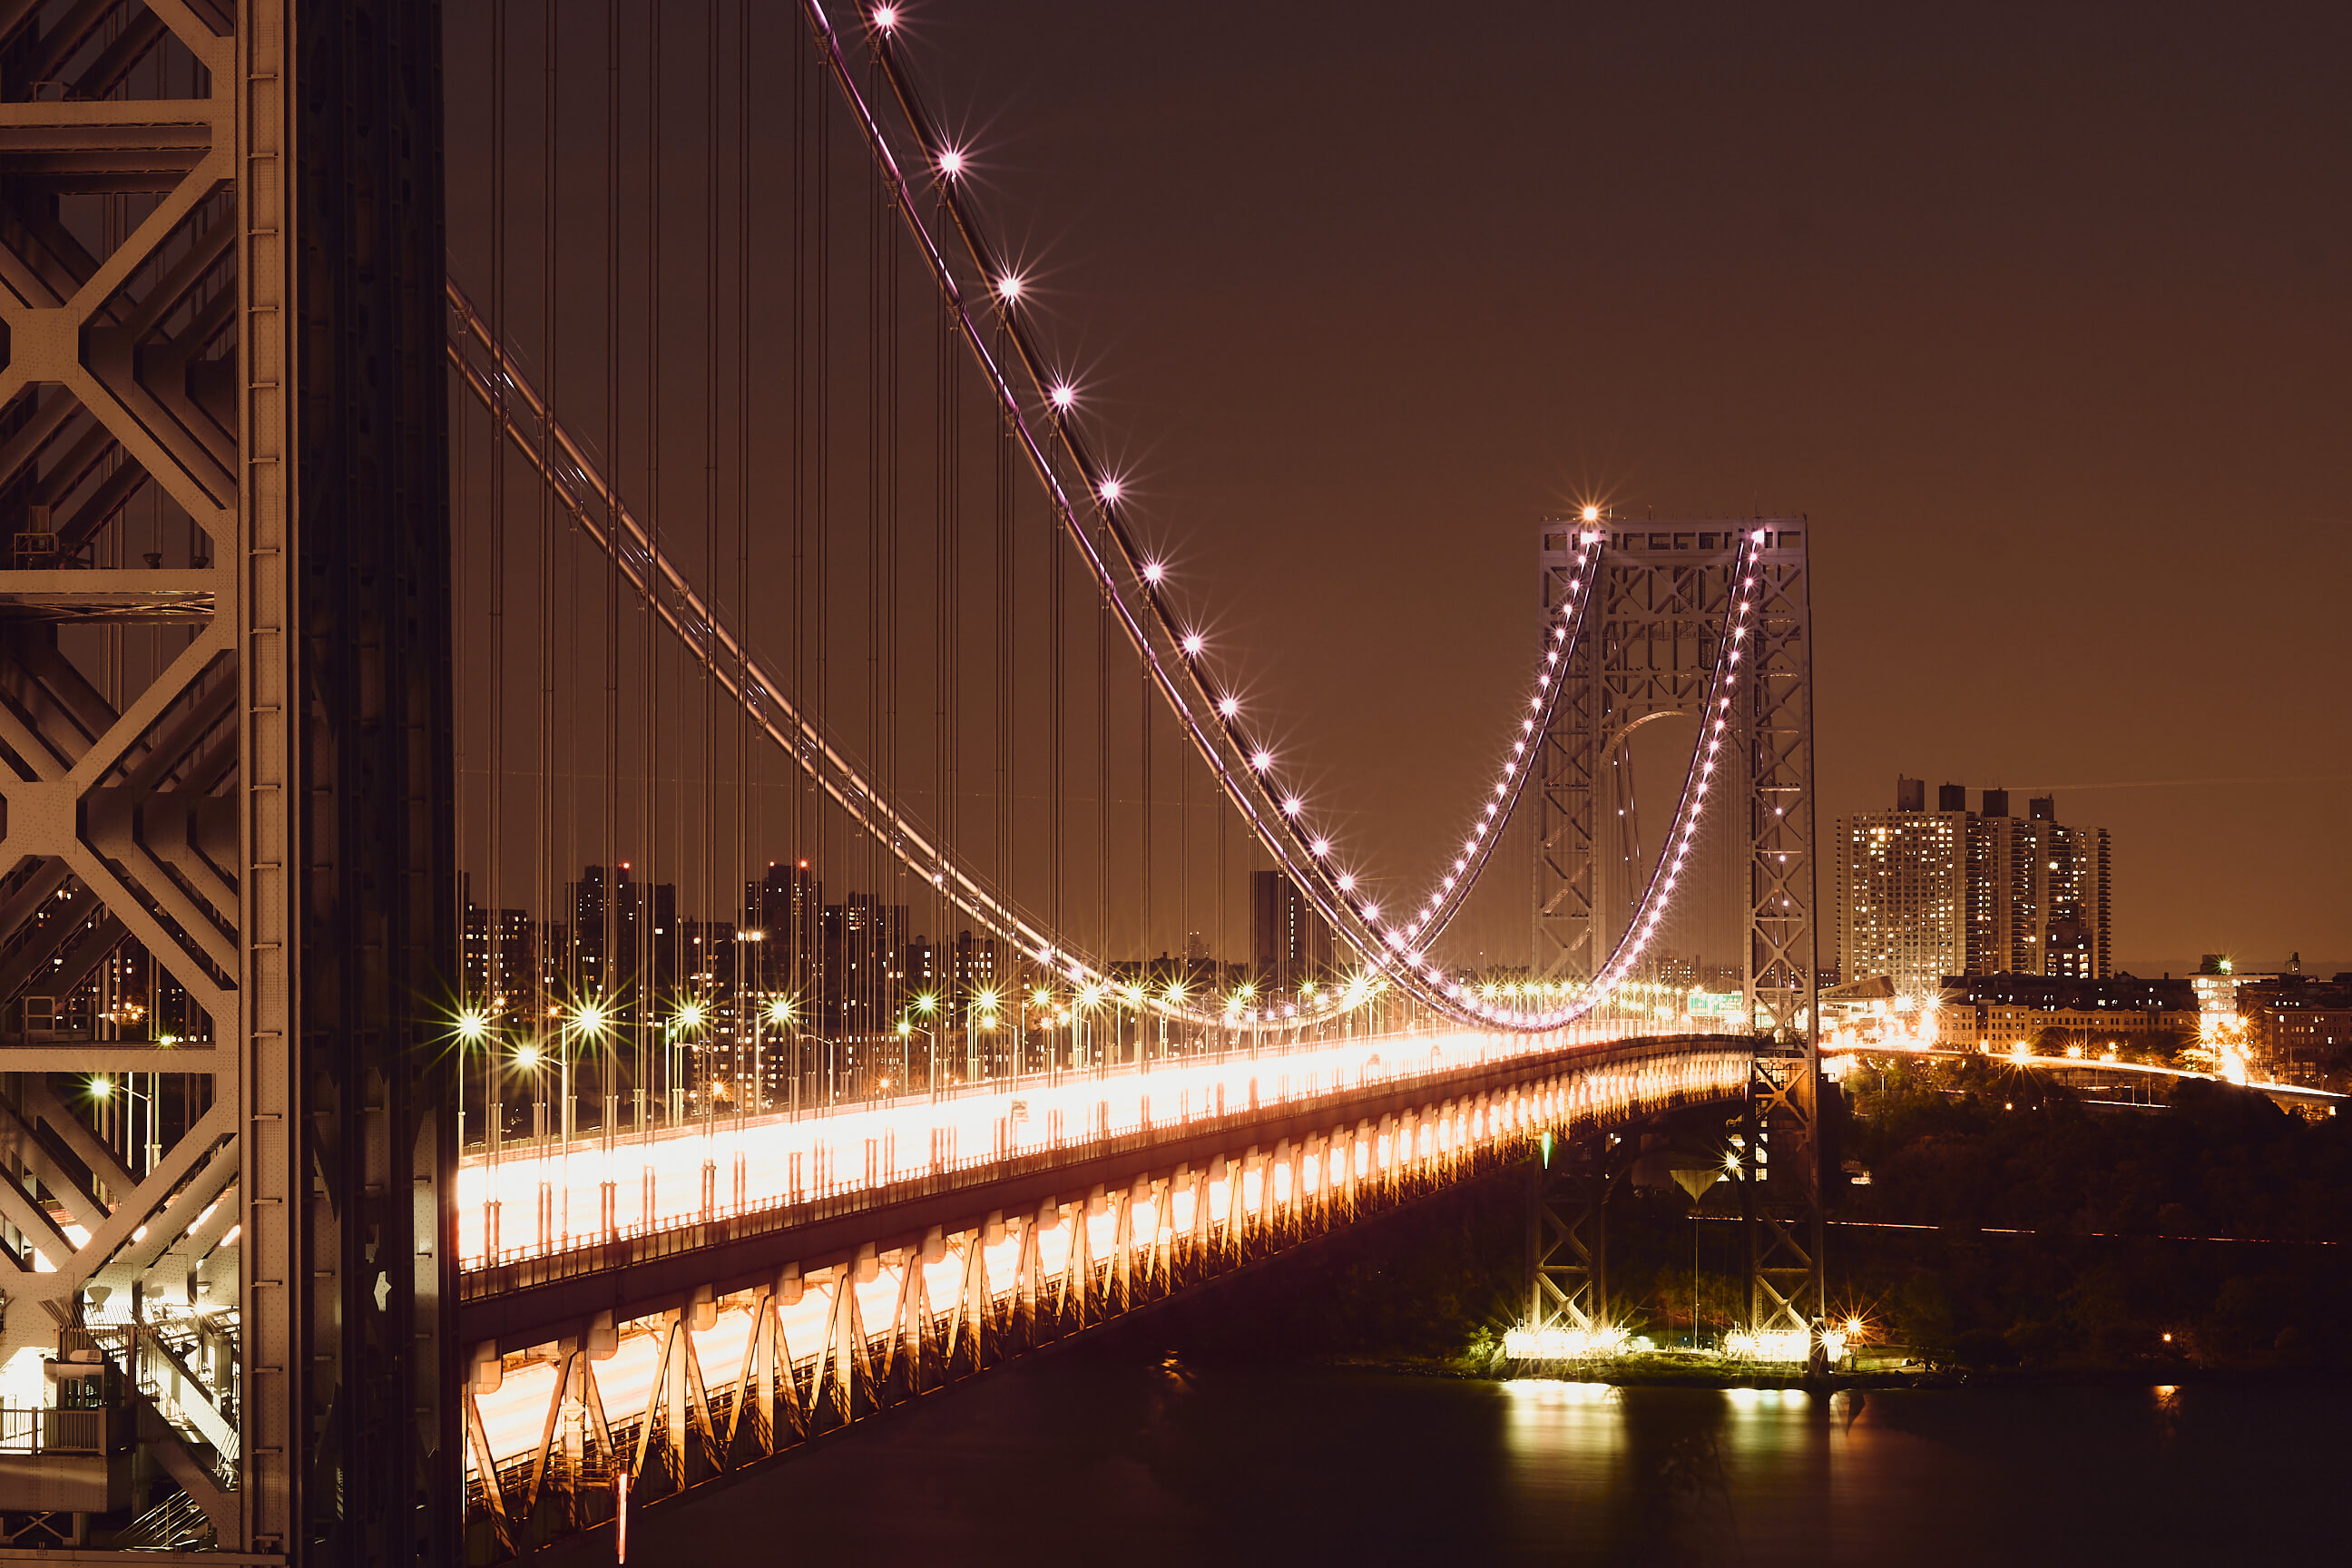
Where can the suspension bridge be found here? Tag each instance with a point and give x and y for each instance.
(626, 846)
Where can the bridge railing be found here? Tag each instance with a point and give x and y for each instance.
(1063, 1079)
(818, 1200)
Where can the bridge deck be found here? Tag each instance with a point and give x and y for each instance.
(542, 1197)
(812, 1311)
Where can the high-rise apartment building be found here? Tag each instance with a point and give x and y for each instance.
(624, 939)
(785, 907)
(1902, 892)
(1920, 895)
(864, 964)
(1291, 941)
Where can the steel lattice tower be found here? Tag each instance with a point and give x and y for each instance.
(221, 227)
(1657, 616)
(1647, 654)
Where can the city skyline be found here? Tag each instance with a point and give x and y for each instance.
(1935, 341)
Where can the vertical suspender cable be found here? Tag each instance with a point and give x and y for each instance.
(460, 592)
(543, 840)
(1143, 898)
(706, 959)
(797, 851)
(645, 908)
(830, 982)
(1057, 724)
(1007, 582)
(608, 937)
(889, 976)
(748, 986)
(875, 933)
(1102, 796)
(496, 657)
(943, 661)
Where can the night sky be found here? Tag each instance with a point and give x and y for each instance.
(2038, 313)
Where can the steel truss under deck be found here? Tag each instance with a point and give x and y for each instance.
(819, 1326)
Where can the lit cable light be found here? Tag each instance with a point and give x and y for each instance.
(1279, 839)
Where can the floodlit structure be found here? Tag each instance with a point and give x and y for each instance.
(340, 1228)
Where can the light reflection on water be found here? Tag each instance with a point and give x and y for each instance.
(1096, 1455)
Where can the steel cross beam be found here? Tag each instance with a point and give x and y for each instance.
(224, 878)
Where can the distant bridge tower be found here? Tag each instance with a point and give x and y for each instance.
(1656, 616)
(226, 900)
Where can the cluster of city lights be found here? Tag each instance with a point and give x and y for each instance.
(1564, 1345)
(1445, 900)
(1279, 814)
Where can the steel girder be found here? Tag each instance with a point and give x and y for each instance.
(1781, 1195)
(1567, 1235)
(224, 716)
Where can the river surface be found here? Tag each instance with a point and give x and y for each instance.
(1104, 1455)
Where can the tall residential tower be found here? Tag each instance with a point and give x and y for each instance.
(1921, 895)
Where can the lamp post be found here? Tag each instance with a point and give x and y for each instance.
(928, 1005)
(527, 1057)
(1091, 997)
(104, 1090)
(1045, 1001)
(473, 1029)
(687, 1020)
(590, 1021)
(832, 1048)
(905, 1032)
(783, 1014)
(982, 1006)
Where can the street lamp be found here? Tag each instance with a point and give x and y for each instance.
(1089, 998)
(687, 1020)
(591, 1021)
(526, 1057)
(472, 1029)
(928, 1005)
(1045, 1002)
(783, 1014)
(983, 1004)
(1132, 994)
(1175, 1003)
(103, 1089)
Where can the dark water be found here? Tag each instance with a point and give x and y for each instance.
(1100, 1454)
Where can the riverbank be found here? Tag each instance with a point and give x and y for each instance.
(1686, 1371)
(1433, 1290)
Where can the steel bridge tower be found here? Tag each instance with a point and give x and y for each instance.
(1657, 616)
(225, 751)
